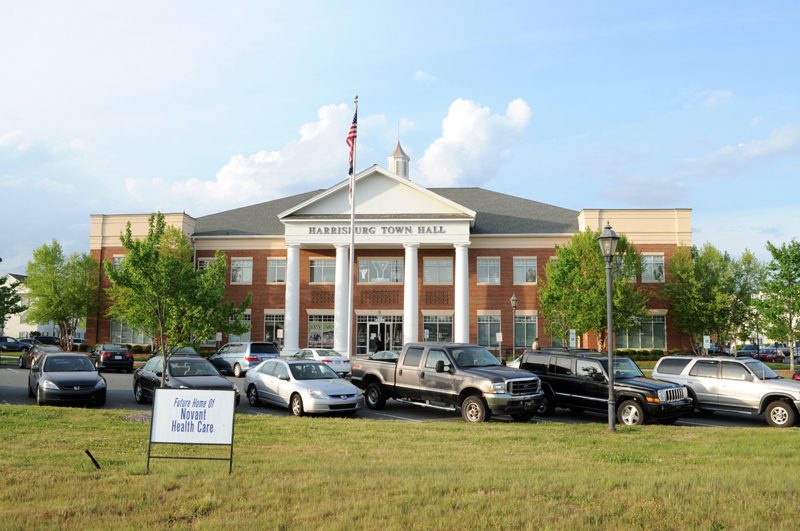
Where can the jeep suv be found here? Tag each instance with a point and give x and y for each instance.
(579, 381)
(740, 385)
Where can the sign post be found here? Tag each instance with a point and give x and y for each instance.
(572, 338)
(192, 416)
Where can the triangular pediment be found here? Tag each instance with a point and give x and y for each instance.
(378, 192)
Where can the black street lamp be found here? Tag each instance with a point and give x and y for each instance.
(608, 246)
(514, 326)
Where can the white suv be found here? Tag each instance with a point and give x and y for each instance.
(740, 385)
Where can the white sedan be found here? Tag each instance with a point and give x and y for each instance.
(302, 385)
(333, 359)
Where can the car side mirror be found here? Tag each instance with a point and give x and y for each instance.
(284, 377)
(159, 374)
(599, 377)
(442, 367)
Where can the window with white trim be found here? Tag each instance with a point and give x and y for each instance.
(437, 328)
(524, 270)
(437, 271)
(488, 270)
(653, 268)
(202, 263)
(122, 332)
(241, 271)
(116, 261)
(273, 323)
(488, 326)
(525, 330)
(320, 331)
(276, 270)
(649, 334)
(380, 270)
(323, 270)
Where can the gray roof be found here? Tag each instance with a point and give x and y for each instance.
(260, 219)
(507, 214)
(398, 152)
(496, 214)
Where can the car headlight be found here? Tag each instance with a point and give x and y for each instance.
(101, 384)
(183, 387)
(47, 384)
(499, 387)
(313, 393)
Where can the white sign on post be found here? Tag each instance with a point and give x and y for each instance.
(192, 416)
(706, 342)
(499, 337)
(572, 338)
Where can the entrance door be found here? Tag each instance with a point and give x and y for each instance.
(382, 335)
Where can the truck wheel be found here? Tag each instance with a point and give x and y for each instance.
(779, 414)
(630, 413)
(473, 409)
(374, 396)
(547, 406)
(525, 416)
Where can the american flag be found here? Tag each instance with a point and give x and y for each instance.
(351, 142)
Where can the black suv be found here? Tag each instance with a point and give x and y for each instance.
(579, 381)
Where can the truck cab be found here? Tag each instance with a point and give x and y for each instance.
(452, 376)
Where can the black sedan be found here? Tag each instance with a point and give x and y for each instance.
(183, 372)
(65, 378)
(9, 344)
(112, 356)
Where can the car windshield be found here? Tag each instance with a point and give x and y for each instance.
(114, 348)
(623, 368)
(474, 357)
(68, 364)
(312, 371)
(761, 371)
(188, 368)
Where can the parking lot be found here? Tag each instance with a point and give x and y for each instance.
(13, 383)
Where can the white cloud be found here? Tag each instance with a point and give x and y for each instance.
(317, 158)
(732, 159)
(474, 143)
(15, 141)
(712, 99)
(424, 77)
(756, 120)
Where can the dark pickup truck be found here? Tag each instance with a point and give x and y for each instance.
(451, 376)
(579, 381)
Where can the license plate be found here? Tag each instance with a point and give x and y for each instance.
(117, 357)
(527, 404)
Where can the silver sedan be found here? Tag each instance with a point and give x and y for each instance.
(304, 386)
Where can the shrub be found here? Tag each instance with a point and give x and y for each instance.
(136, 349)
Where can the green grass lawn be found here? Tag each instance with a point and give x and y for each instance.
(310, 473)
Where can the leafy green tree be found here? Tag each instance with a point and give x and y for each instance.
(573, 292)
(157, 289)
(10, 300)
(61, 289)
(711, 294)
(780, 305)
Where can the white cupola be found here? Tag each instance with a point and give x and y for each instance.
(398, 162)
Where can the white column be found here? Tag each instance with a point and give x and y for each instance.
(291, 316)
(411, 295)
(461, 309)
(340, 318)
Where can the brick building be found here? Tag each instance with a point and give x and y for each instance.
(437, 264)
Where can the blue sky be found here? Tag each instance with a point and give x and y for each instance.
(111, 107)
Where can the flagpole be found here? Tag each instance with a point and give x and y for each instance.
(351, 281)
